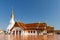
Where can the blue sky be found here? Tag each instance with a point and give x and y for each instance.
(29, 11)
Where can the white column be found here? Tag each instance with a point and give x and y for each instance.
(11, 32)
(18, 32)
(15, 32)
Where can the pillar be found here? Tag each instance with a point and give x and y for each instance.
(18, 32)
(15, 32)
(11, 32)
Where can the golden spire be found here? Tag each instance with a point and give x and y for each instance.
(12, 14)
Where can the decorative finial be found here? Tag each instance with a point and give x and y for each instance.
(12, 14)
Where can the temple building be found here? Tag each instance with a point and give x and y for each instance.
(16, 27)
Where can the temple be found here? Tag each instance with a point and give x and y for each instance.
(20, 28)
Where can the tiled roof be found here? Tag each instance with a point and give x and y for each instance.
(36, 25)
(18, 24)
(31, 26)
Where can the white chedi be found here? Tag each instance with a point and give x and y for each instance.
(11, 23)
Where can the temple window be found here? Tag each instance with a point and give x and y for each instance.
(34, 31)
(28, 31)
(31, 31)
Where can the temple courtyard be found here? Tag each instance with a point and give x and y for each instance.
(29, 37)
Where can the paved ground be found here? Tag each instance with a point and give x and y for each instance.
(41, 37)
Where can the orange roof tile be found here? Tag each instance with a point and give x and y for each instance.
(31, 26)
(36, 25)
